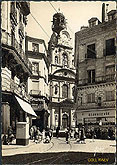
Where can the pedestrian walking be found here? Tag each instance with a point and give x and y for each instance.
(10, 134)
(43, 135)
(57, 131)
(92, 132)
(5, 139)
(76, 134)
(31, 132)
(82, 135)
(72, 133)
(35, 132)
(51, 133)
(67, 132)
(110, 133)
(38, 134)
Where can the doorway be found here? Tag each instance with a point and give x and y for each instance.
(65, 120)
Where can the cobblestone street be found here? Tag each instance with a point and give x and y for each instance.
(57, 152)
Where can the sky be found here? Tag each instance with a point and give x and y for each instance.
(77, 14)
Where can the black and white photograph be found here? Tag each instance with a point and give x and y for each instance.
(58, 82)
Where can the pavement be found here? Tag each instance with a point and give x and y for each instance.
(59, 145)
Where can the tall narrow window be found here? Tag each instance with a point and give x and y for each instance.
(65, 59)
(35, 68)
(56, 89)
(65, 91)
(110, 72)
(91, 53)
(91, 98)
(91, 76)
(110, 95)
(56, 59)
(110, 47)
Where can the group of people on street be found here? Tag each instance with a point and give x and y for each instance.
(100, 133)
(9, 136)
(38, 136)
(78, 134)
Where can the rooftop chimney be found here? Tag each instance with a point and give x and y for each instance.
(83, 27)
(103, 12)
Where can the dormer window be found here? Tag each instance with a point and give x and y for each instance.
(111, 15)
(93, 21)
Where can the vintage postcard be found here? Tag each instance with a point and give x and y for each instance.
(58, 81)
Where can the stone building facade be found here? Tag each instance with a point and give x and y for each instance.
(95, 72)
(61, 78)
(16, 68)
(38, 89)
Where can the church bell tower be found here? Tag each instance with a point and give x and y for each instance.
(59, 23)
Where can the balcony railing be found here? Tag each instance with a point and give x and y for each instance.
(100, 79)
(10, 85)
(13, 16)
(6, 39)
(21, 30)
(35, 92)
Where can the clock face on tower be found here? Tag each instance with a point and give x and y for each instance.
(65, 38)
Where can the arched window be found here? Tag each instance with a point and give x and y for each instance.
(65, 120)
(65, 59)
(65, 91)
(56, 59)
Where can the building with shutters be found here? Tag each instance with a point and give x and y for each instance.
(16, 67)
(61, 75)
(95, 72)
(38, 89)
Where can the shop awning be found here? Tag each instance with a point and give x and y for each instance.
(25, 106)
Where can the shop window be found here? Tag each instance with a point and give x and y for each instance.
(110, 95)
(91, 76)
(35, 47)
(91, 98)
(35, 68)
(110, 47)
(91, 53)
(65, 91)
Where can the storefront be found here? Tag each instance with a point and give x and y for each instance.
(15, 109)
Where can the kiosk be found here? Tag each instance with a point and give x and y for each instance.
(22, 133)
